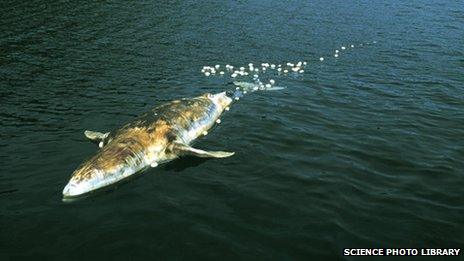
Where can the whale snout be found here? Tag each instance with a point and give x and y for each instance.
(69, 190)
(83, 181)
(73, 189)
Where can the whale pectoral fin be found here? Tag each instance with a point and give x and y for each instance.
(182, 149)
(95, 135)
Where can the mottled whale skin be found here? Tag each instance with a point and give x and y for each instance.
(158, 136)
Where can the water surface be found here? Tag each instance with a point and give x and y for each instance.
(361, 151)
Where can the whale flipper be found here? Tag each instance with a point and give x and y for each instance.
(95, 135)
(182, 149)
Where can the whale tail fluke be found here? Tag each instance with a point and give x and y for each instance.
(248, 87)
(252, 87)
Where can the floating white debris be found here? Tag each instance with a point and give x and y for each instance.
(218, 121)
(205, 133)
(154, 164)
(227, 108)
(237, 98)
(100, 145)
(253, 70)
(374, 42)
(244, 92)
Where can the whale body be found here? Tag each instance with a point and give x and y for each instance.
(157, 136)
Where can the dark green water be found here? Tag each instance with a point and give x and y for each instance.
(361, 151)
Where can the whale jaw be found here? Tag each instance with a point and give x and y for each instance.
(74, 190)
(79, 188)
(100, 179)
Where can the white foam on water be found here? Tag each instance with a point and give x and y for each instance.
(254, 70)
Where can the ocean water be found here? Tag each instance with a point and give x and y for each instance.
(364, 150)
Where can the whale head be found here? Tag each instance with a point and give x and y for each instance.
(89, 178)
(83, 180)
(114, 162)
